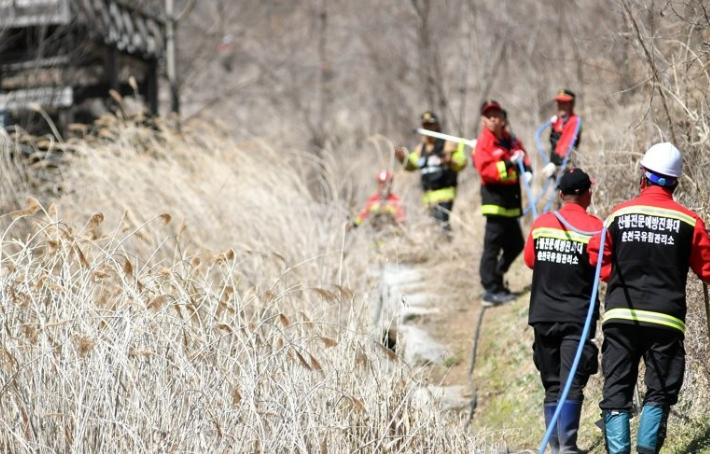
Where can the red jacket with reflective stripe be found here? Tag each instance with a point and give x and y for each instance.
(391, 205)
(650, 244)
(561, 136)
(500, 186)
(562, 276)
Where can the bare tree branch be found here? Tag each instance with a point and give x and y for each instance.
(654, 70)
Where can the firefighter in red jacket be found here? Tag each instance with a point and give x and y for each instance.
(497, 157)
(562, 132)
(382, 205)
(650, 244)
(561, 292)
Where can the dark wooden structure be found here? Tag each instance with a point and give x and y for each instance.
(60, 53)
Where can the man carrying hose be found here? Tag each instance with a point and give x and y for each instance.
(438, 162)
(498, 157)
(650, 244)
(565, 132)
(561, 293)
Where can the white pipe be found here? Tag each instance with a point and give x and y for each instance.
(439, 135)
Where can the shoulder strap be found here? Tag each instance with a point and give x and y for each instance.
(439, 147)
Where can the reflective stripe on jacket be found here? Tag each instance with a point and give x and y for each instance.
(438, 180)
(500, 185)
(562, 275)
(438, 196)
(391, 205)
(651, 243)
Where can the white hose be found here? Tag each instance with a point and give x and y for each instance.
(439, 135)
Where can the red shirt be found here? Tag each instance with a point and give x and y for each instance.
(391, 205)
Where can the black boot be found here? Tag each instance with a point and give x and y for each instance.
(568, 426)
(554, 439)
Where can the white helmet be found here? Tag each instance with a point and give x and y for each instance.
(664, 159)
(384, 176)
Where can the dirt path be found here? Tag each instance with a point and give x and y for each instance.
(506, 382)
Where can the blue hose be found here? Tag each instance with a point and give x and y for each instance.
(569, 226)
(563, 165)
(541, 149)
(528, 190)
(585, 332)
(540, 146)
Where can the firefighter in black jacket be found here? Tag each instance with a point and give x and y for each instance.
(439, 162)
(651, 243)
(561, 292)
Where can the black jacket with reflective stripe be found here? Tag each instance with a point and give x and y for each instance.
(563, 278)
(434, 175)
(650, 261)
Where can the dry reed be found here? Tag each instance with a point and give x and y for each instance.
(182, 294)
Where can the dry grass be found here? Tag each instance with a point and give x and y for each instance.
(190, 294)
(14, 181)
(186, 292)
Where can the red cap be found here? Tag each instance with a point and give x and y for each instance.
(564, 95)
(490, 104)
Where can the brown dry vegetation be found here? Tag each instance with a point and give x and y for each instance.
(177, 297)
(195, 291)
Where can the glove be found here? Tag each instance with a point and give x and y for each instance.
(553, 119)
(517, 157)
(527, 176)
(549, 170)
(400, 153)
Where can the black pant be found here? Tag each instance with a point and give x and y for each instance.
(663, 354)
(553, 353)
(502, 235)
(441, 212)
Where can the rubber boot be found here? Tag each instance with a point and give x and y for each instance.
(652, 429)
(617, 435)
(568, 426)
(554, 439)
